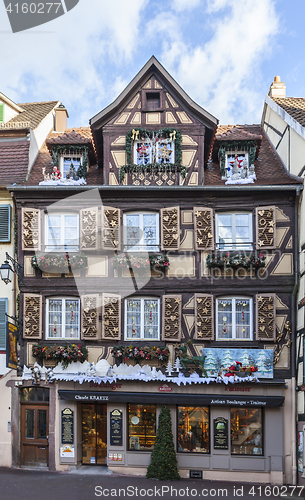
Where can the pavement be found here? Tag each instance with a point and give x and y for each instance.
(92, 483)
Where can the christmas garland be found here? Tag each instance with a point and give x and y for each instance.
(164, 132)
(152, 168)
(58, 261)
(154, 261)
(124, 353)
(61, 354)
(236, 260)
(57, 151)
(250, 146)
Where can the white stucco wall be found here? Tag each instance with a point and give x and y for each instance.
(38, 136)
(9, 112)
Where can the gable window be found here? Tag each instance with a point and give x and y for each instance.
(66, 163)
(152, 100)
(62, 318)
(141, 231)
(234, 318)
(142, 319)
(234, 231)
(62, 232)
(160, 151)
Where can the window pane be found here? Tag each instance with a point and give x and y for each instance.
(133, 319)
(133, 233)
(24, 394)
(165, 152)
(54, 232)
(224, 230)
(151, 238)
(67, 164)
(242, 315)
(42, 424)
(72, 319)
(224, 319)
(39, 394)
(32, 394)
(46, 394)
(141, 427)
(151, 320)
(193, 429)
(55, 318)
(242, 219)
(143, 151)
(246, 431)
(29, 424)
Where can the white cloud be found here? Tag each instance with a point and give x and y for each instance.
(181, 5)
(223, 75)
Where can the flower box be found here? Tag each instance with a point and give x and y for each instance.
(140, 354)
(235, 260)
(60, 354)
(63, 263)
(141, 262)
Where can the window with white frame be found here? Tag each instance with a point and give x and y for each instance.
(142, 319)
(62, 318)
(234, 317)
(236, 163)
(66, 161)
(141, 231)
(62, 232)
(234, 231)
(154, 151)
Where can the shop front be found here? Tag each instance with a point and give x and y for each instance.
(218, 429)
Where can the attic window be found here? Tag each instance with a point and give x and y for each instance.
(236, 161)
(153, 100)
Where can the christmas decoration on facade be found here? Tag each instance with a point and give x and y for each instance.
(265, 227)
(32, 316)
(30, 229)
(111, 316)
(172, 306)
(170, 228)
(89, 228)
(204, 317)
(204, 228)
(265, 316)
(89, 326)
(111, 239)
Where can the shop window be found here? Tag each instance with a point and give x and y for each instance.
(141, 232)
(193, 429)
(234, 231)
(62, 232)
(246, 431)
(142, 319)
(62, 317)
(234, 318)
(141, 427)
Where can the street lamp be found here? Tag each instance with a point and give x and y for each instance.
(7, 272)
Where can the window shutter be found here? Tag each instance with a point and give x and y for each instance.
(204, 316)
(171, 317)
(265, 317)
(204, 228)
(111, 228)
(32, 314)
(89, 228)
(265, 227)
(170, 228)
(111, 316)
(5, 223)
(31, 229)
(90, 317)
(1, 112)
(3, 310)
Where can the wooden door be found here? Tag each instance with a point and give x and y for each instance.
(34, 435)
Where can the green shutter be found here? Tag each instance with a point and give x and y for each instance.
(3, 310)
(5, 223)
(1, 112)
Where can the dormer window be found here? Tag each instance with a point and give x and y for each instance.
(237, 163)
(65, 164)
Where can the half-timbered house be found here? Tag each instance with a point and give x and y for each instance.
(160, 249)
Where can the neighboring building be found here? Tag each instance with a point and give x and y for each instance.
(23, 129)
(284, 122)
(158, 256)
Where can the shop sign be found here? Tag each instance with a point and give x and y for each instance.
(67, 451)
(165, 388)
(116, 428)
(220, 433)
(67, 426)
(11, 346)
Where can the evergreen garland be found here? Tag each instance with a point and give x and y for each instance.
(164, 132)
(68, 149)
(163, 463)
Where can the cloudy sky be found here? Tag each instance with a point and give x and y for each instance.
(224, 53)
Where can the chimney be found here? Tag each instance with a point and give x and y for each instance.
(61, 116)
(278, 88)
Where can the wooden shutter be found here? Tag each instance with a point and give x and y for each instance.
(1, 112)
(90, 317)
(3, 310)
(204, 316)
(265, 227)
(5, 223)
(32, 316)
(204, 228)
(111, 228)
(265, 316)
(89, 228)
(171, 317)
(111, 316)
(31, 229)
(170, 228)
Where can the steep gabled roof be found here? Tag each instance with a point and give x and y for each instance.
(14, 161)
(34, 113)
(294, 106)
(152, 65)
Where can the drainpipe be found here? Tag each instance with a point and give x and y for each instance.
(293, 345)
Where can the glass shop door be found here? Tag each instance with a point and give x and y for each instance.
(94, 434)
